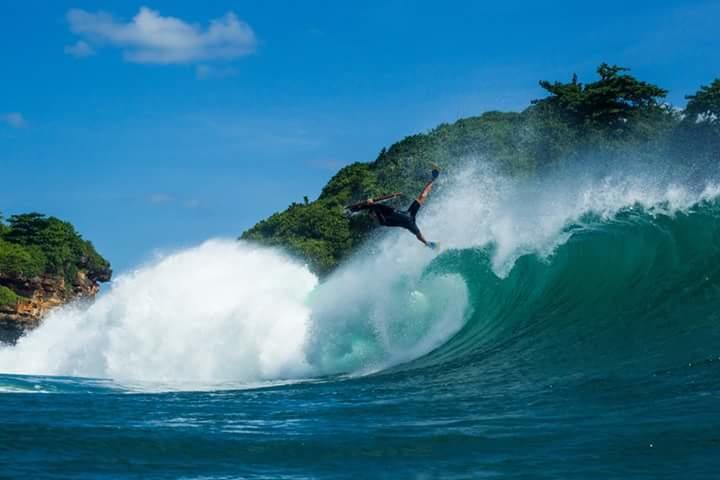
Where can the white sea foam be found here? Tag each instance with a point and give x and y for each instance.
(519, 216)
(221, 311)
(227, 314)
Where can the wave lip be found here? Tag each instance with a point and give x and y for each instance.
(628, 296)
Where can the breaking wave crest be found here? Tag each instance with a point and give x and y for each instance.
(594, 272)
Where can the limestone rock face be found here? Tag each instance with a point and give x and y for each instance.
(38, 295)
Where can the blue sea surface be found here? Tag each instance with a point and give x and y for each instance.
(401, 425)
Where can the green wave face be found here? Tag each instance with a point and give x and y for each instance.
(631, 295)
(568, 275)
(580, 273)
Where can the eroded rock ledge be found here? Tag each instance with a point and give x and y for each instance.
(38, 295)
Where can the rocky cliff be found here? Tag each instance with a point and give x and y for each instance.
(44, 263)
(38, 295)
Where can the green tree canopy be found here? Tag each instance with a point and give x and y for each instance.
(21, 261)
(608, 103)
(34, 241)
(705, 103)
(7, 296)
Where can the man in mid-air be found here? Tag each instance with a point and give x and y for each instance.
(391, 217)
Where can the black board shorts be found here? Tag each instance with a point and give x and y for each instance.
(391, 217)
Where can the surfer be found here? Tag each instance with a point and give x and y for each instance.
(391, 217)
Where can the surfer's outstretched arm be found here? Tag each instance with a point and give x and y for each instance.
(428, 187)
(425, 192)
(420, 237)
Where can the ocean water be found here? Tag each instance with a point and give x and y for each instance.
(569, 328)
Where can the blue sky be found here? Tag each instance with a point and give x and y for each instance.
(159, 124)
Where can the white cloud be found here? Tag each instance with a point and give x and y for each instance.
(79, 49)
(152, 38)
(14, 119)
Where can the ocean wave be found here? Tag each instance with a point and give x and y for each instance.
(576, 272)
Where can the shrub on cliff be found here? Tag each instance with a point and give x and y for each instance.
(704, 105)
(32, 244)
(20, 261)
(7, 296)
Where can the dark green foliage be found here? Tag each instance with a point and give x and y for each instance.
(319, 231)
(7, 296)
(33, 244)
(610, 104)
(614, 116)
(21, 261)
(697, 138)
(705, 104)
(352, 182)
(53, 237)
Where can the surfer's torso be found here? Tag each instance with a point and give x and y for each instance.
(391, 217)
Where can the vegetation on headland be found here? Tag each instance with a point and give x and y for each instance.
(33, 244)
(7, 296)
(616, 113)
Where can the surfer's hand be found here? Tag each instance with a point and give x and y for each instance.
(432, 245)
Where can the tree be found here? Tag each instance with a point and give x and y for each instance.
(25, 228)
(54, 237)
(697, 139)
(607, 104)
(55, 245)
(704, 105)
(7, 296)
(20, 261)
